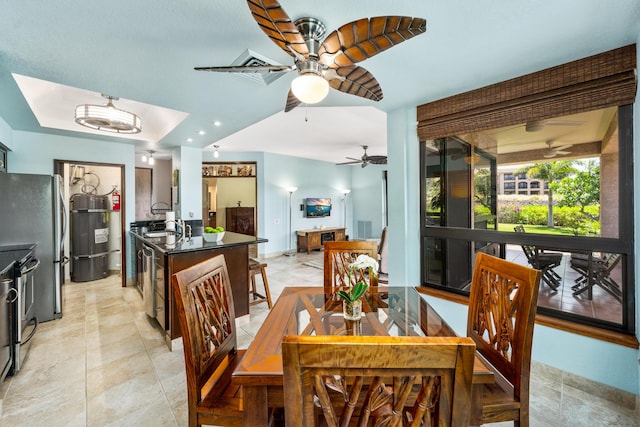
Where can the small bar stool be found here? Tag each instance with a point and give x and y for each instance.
(257, 267)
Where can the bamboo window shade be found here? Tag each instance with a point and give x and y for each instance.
(604, 80)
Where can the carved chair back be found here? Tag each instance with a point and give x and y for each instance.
(501, 318)
(377, 380)
(207, 320)
(338, 256)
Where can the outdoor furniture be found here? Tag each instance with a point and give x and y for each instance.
(377, 380)
(207, 320)
(596, 271)
(387, 311)
(543, 261)
(501, 317)
(338, 256)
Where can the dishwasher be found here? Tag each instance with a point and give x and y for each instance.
(148, 281)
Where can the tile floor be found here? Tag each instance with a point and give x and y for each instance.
(105, 364)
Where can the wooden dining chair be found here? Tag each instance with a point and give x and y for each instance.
(338, 256)
(377, 380)
(207, 321)
(501, 317)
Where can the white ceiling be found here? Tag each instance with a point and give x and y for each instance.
(144, 52)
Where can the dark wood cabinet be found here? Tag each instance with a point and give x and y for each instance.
(241, 220)
(309, 240)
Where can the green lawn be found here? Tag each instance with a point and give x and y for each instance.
(542, 229)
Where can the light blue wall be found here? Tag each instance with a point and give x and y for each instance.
(34, 153)
(365, 202)
(190, 186)
(276, 172)
(6, 134)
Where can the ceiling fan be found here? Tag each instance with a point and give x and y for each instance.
(366, 159)
(551, 152)
(538, 125)
(329, 62)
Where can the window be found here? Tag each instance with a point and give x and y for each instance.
(509, 185)
(591, 281)
(534, 184)
(509, 177)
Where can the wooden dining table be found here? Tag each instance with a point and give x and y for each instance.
(396, 311)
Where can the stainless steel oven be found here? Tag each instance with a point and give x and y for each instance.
(25, 320)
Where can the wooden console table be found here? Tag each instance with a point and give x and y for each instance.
(309, 240)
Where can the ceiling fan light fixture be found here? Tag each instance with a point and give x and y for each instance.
(107, 117)
(310, 88)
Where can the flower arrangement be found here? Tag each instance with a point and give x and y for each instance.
(355, 292)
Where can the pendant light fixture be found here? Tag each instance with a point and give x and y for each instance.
(148, 159)
(216, 154)
(107, 117)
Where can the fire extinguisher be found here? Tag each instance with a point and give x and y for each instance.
(115, 198)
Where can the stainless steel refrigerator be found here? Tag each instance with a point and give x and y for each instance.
(33, 210)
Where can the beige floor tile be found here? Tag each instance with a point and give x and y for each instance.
(105, 363)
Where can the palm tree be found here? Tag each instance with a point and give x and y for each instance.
(549, 172)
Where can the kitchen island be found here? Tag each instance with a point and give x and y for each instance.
(169, 258)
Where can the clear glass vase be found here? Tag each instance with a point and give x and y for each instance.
(352, 310)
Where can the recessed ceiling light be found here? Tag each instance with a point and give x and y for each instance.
(217, 123)
(189, 139)
(201, 132)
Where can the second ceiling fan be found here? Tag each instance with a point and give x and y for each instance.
(329, 62)
(366, 159)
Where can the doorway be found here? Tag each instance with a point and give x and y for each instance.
(230, 198)
(97, 179)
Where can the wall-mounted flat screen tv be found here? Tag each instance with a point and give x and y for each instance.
(317, 207)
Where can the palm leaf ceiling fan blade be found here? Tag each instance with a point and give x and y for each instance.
(355, 80)
(359, 40)
(332, 59)
(276, 24)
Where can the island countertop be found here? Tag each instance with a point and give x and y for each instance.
(197, 243)
(169, 258)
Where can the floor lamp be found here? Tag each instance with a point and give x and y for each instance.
(290, 252)
(346, 193)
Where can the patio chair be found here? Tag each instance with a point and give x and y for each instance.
(501, 318)
(377, 380)
(600, 275)
(543, 261)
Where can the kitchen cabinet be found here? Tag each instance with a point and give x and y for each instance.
(168, 259)
(309, 240)
(241, 220)
(6, 308)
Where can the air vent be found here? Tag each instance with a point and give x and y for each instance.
(249, 58)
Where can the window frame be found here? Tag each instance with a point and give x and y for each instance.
(600, 81)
